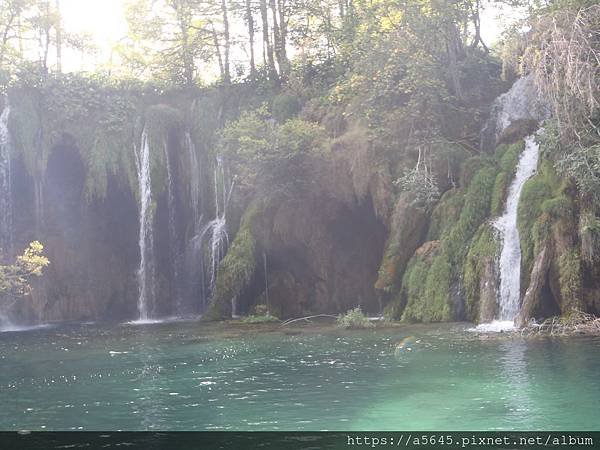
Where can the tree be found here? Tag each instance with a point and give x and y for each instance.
(14, 278)
(11, 12)
(169, 38)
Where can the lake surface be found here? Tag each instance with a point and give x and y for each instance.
(192, 376)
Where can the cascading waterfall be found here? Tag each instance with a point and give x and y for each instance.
(195, 179)
(5, 204)
(173, 230)
(209, 243)
(509, 296)
(218, 226)
(194, 254)
(5, 185)
(146, 271)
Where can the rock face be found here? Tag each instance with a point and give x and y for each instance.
(533, 295)
(317, 252)
(332, 249)
(91, 246)
(514, 115)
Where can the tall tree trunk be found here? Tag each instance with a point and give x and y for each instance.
(188, 57)
(277, 38)
(268, 48)
(283, 34)
(476, 18)
(250, 22)
(5, 32)
(226, 69)
(215, 37)
(58, 38)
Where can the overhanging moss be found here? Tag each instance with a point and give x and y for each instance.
(432, 302)
(532, 224)
(446, 213)
(160, 121)
(100, 118)
(508, 156)
(569, 264)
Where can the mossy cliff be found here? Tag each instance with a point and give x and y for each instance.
(74, 141)
(324, 217)
(454, 275)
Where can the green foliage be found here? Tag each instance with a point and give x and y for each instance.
(536, 191)
(253, 318)
(446, 214)
(14, 279)
(271, 157)
(433, 274)
(97, 115)
(475, 210)
(285, 107)
(499, 193)
(432, 303)
(508, 156)
(354, 319)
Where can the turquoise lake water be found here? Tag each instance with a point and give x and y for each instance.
(191, 376)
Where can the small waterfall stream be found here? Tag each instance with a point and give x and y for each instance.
(146, 269)
(5, 206)
(509, 296)
(5, 185)
(217, 228)
(510, 256)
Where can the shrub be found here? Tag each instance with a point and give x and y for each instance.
(253, 318)
(285, 107)
(354, 319)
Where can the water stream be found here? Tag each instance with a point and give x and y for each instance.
(146, 271)
(5, 209)
(5, 185)
(509, 296)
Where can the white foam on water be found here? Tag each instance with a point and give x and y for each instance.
(497, 326)
(20, 328)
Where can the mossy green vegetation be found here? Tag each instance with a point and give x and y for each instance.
(446, 213)
(263, 318)
(569, 278)
(102, 119)
(544, 188)
(428, 298)
(436, 270)
(484, 248)
(160, 122)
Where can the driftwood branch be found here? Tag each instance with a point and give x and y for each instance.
(307, 318)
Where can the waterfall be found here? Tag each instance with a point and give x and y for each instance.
(173, 236)
(146, 271)
(218, 226)
(5, 207)
(195, 185)
(214, 233)
(509, 296)
(209, 242)
(5, 185)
